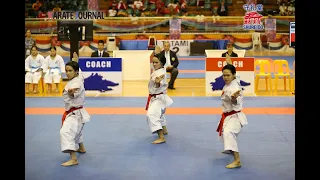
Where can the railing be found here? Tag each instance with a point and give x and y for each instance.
(226, 24)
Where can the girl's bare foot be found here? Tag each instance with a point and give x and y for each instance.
(80, 150)
(234, 164)
(159, 141)
(71, 162)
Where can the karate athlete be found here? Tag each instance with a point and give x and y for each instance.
(229, 61)
(33, 66)
(75, 115)
(232, 119)
(158, 99)
(54, 67)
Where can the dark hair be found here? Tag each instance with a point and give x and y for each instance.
(100, 41)
(230, 67)
(34, 46)
(161, 58)
(74, 65)
(53, 47)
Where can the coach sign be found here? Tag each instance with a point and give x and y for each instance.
(245, 72)
(102, 75)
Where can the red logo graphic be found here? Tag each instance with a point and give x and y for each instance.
(252, 17)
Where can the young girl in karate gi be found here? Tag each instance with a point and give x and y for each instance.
(33, 66)
(158, 99)
(75, 115)
(54, 67)
(232, 119)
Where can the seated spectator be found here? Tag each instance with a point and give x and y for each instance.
(42, 13)
(222, 9)
(291, 10)
(200, 3)
(121, 5)
(138, 5)
(112, 4)
(283, 10)
(112, 12)
(184, 7)
(33, 67)
(172, 63)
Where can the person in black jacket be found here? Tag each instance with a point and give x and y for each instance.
(172, 63)
(100, 52)
(230, 51)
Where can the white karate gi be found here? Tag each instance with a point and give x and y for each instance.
(158, 103)
(31, 66)
(71, 130)
(53, 69)
(232, 124)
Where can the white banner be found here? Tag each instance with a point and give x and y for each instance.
(181, 47)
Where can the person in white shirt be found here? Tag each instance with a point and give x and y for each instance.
(100, 52)
(75, 116)
(138, 5)
(53, 67)
(33, 67)
(112, 12)
(158, 100)
(232, 119)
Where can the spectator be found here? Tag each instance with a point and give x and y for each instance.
(283, 10)
(121, 5)
(222, 9)
(29, 42)
(112, 12)
(172, 63)
(100, 52)
(291, 10)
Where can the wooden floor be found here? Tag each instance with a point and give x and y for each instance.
(184, 87)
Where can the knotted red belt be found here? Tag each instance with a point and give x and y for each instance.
(69, 111)
(223, 116)
(149, 98)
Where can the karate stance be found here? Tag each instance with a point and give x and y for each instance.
(54, 67)
(232, 119)
(158, 99)
(75, 115)
(33, 66)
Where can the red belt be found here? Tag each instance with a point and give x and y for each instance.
(69, 111)
(149, 98)
(223, 116)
